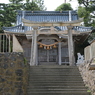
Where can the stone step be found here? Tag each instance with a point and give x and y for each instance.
(68, 76)
(53, 66)
(56, 84)
(70, 69)
(65, 75)
(56, 87)
(54, 74)
(58, 93)
(40, 90)
(55, 80)
(46, 81)
(52, 69)
(51, 90)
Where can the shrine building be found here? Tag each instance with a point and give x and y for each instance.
(48, 37)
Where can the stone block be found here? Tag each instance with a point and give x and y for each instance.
(18, 84)
(19, 92)
(9, 72)
(19, 72)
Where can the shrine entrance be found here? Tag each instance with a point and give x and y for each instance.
(47, 56)
(48, 51)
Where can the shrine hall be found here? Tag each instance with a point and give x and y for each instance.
(48, 37)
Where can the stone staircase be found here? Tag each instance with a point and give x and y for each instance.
(56, 80)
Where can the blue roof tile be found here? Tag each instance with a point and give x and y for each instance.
(45, 16)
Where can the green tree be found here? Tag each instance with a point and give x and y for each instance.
(87, 11)
(8, 14)
(8, 11)
(31, 6)
(83, 13)
(40, 4)
(64, 7)
(15, 1)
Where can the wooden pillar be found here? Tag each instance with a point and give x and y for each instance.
(70, 46)
(34, 48)
(59, 51)
(0, 42)
(9, 44)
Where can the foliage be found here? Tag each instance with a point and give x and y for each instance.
(8, 14)
(25, 61)
(83, 13)
(88, 90)
(88, 11)
(92, 36)
(8, 11)
(15, 1)
(64, 7)
(40, 4)
(31, 6)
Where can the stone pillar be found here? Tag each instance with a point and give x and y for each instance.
(70, 46)
(59, 51)
(34, 48)
(37, 55)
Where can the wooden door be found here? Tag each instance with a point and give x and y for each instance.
(47, 55)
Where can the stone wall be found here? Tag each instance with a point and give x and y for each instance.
(13, 74)
(88, 76)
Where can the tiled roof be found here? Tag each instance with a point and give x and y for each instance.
(16, 29)
(45, 16)
(82, 29)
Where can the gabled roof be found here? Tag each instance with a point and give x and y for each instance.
(15, 29)
(45, 16)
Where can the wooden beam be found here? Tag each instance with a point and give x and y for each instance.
(68, 23)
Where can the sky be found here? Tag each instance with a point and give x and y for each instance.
(51, 5)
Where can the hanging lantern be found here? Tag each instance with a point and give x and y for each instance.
(54, 46)
(41, 46)
(48, 47)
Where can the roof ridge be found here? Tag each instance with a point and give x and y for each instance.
(20, 11)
